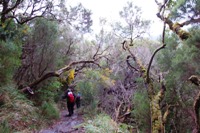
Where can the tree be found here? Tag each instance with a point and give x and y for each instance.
(180, 63)
(132, 25)
(185, 9)
(39, 53)
(25, 10)
(188, 11)
(184, 62)
(78, 17)
(10, 49)
(21, 13)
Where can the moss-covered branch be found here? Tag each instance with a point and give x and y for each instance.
(155, 99)
(174, 26)
(56, 73)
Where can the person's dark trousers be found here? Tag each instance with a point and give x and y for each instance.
(78, 102)
(70, 107)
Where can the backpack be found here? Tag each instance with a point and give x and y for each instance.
(71, 97)
(78, 96)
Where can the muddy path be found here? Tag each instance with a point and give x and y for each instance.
(66, 124)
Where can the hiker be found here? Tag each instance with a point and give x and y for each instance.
(69, 95)
(78, 100)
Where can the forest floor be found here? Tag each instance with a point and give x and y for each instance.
(66, 124)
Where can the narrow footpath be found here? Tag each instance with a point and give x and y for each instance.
(66, 124)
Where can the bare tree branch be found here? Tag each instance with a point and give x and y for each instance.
(69, 47)
(128, 63)
(98, 48)
(24, 10)
(192, 20)
(100, 54)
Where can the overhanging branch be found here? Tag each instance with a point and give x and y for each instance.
(56, 73)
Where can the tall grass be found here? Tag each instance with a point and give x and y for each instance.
(19, 114)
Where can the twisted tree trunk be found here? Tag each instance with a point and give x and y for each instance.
(157, 123)
(196, 80)
(157, 118)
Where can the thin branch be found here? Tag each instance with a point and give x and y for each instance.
(99, 46)
(25, 20)
(69, 47)
(128, 63)
(192, 20)
(152, 57)
(10, 9)
(100, 54)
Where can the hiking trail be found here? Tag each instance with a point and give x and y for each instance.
(66, 124)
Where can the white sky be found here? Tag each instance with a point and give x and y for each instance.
(109, 9)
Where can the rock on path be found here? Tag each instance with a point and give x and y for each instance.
(66, 124)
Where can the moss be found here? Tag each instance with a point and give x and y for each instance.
(70, 77)
(157, 124)
(176, 27)
(150, 90)
(62, 80)
(183, 34)
(131, 44)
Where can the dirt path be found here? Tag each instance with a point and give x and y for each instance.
(66, 124)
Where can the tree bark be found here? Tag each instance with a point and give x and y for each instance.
(155, 99)
(196, 107)
(157, 123)
(196, 81)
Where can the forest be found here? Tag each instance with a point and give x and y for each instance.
(128, 81)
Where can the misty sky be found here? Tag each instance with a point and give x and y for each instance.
(109, 9)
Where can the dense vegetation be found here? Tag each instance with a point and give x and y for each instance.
(128, 82)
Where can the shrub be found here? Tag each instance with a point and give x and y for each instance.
(4, 127)
(17, 110)
(89, 96)
(102, 123)
(141, 110)
(49, 111)
(49, 93)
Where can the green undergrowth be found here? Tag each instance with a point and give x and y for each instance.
(18, 114)
(102, 123)
(49, 111)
